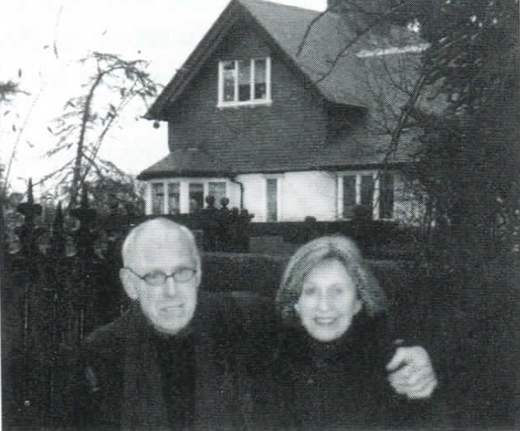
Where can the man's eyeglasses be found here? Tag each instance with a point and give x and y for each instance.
(158, 278)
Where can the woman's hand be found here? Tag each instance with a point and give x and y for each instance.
(411, 373)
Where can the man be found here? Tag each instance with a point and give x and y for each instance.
(178, 358)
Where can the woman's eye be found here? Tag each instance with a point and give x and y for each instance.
(309, 290)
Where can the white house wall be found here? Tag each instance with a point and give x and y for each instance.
(300, 194)
(254, 199)
(309, 194)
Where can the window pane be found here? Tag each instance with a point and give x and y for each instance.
(349, 196)
(228, 70)
(386, 197)
(196, 197)
(367, 191)
(260, 79)
(157, 198)
(272, 199)
(244, 80)
(173, 198)
(218, 191)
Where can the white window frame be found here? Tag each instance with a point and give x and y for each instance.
(375, 197)
(183, 192)
(206, 191)
(252, 102)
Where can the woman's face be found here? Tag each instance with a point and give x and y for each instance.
(328, 301)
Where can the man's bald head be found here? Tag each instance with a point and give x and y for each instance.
(156, 233)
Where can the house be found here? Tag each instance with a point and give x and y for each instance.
(288, 113)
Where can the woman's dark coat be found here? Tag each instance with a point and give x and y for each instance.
(338, 385)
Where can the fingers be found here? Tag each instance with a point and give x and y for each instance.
(422, 391)
(413, 381)
(414, 384)
(413, 355)
(412, 373)
(399, 359)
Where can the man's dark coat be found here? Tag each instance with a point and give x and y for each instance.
(122, 384)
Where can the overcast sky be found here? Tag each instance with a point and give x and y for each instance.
(163, 32)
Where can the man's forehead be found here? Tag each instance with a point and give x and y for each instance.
(160, 242)
(154, 233)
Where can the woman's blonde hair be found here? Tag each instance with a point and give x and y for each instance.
(316, 251)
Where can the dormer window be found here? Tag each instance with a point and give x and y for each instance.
(244, 82)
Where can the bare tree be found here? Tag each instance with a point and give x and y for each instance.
(88, 118)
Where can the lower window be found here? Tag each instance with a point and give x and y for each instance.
(272, 199)
(368, 190)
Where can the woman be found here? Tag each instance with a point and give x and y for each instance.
(328, 371)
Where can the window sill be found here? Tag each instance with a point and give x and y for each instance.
(224, 105)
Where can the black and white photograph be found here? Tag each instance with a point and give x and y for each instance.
(249, 215)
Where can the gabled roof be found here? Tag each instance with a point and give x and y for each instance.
(344, 69)
(189, 162)
(286, 26)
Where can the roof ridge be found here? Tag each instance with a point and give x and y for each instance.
(273, 3)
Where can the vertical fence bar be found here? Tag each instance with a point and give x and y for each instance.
(29, 408)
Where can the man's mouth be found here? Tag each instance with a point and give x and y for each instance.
(173, 308)
(325, 321)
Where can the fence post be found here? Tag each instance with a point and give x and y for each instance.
(84, 259)
(31, 395)
(60, 407)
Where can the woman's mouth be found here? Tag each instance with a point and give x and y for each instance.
(324, 321)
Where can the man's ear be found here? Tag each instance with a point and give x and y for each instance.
(359, 306)
(198, 277)
(128, 284)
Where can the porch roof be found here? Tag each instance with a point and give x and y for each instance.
(188, 162)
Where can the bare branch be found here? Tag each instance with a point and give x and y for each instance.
(308, 30)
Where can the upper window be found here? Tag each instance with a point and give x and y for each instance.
(244, 82)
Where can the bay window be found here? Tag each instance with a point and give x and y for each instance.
(183, 196)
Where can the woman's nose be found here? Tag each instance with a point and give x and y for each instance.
(323, 302)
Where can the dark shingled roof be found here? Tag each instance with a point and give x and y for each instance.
(190, 162)
(287, 26)
(325, 41)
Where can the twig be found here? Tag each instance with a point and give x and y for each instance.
(17, 141)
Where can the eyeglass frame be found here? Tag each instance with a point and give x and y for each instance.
(166, 276)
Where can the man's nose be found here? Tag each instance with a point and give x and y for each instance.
(170, 288)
